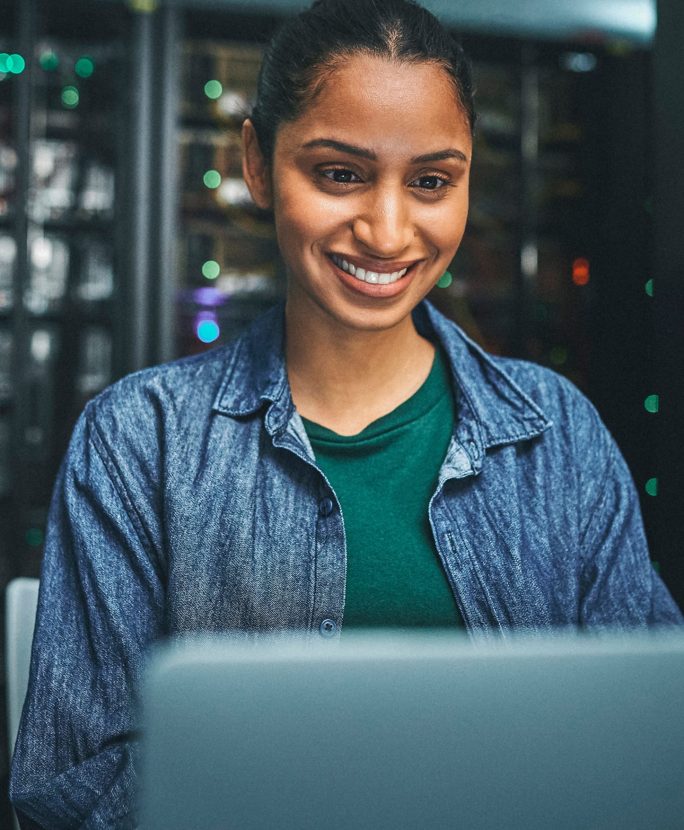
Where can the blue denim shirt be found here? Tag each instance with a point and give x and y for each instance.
(190, 500)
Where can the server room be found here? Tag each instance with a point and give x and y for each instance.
(341, 414)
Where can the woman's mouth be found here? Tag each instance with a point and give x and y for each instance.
(366, 275)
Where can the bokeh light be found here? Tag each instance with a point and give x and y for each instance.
(212, 179)
(14, 63)
(213, 89)
(84, 67)
(211, 269)
(34, 537)
(558, 355)
(18, 64)
(207, 330)
(580, 271)
(652, 403)
(70, 97)
(445, 280)
(49, 61)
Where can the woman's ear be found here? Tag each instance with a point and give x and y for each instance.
(254, 168)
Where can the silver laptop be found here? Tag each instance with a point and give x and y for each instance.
(394, 731)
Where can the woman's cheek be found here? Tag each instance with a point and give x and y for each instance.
(448, 230)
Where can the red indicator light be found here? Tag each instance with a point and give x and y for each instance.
(580, 271)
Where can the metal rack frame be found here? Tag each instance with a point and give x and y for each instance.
(668, 210)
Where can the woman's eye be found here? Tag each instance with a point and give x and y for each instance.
(340, 176)
(431, 182)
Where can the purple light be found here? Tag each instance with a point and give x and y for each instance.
(207, 295)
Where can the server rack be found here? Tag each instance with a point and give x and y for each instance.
(63, 72)
(668, 208)
(59, 231)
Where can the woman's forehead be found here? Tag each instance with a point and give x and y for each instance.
(376, 102)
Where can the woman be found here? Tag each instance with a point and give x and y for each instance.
(353, 458)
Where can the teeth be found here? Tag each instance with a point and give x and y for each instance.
(372, 277)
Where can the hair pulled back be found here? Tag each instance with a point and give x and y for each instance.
(309, 46)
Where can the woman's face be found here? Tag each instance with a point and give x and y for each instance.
(369, 188)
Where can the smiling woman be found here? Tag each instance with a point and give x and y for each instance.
(352, 460)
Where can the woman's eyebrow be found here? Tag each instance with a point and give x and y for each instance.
(331, 144)
(440, 155)
(353, 150)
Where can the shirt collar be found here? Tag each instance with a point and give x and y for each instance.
(491, 408)
(255, 374)
(490, 403)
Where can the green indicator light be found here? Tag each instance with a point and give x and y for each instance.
(652, 487)
(143, 6)
(211, 269)
(49, 61)
(445, 280)
(70, 97)
(212, 179)
(84, 67)
(18, 64)
(652, 403)
(558, 355)
(649, 288)
(213, 89)
(541, 313)
(656, 566)
(34, 537)
(5, 62)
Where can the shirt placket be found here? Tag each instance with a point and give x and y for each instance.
(461, 462)
(329, 558)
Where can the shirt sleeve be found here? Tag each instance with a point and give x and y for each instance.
(100, 606)
(619, 586)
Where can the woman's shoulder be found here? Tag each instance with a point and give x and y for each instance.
(156, 407)
(497, 379)
(192, 385)
(186, 382)
(577, 428)
(544, 385)
(516, 400)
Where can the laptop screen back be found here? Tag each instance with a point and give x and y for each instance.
(392, 731)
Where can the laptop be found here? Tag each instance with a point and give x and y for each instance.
(391, 731)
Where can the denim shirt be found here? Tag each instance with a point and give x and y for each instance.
(190, 500)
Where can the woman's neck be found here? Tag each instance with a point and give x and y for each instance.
(344, 379)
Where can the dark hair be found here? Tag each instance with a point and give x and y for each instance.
(310, 45)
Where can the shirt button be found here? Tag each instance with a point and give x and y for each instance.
(328, 628)
(325, 506)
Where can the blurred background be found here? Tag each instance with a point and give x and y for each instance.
(127, 237)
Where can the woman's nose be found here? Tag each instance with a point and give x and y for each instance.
(383, 224)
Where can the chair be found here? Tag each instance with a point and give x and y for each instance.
(21, 600)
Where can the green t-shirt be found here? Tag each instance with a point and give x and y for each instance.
(384, 478)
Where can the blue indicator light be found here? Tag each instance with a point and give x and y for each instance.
(208, 331)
